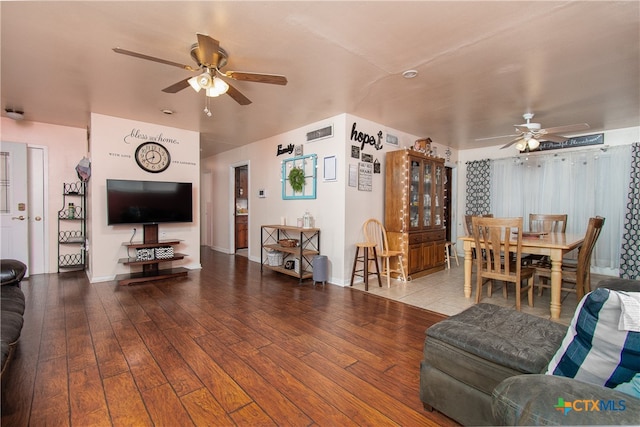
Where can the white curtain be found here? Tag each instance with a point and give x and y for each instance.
(582, 184)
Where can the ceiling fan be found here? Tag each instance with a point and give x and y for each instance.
(528, 135)
(210, 59)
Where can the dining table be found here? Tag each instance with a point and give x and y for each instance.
(553, 245)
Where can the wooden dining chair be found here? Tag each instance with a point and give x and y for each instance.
(467, 221)
(469, 227)
(374, 232)
(580, 275)
(499, 238)
(547, 223)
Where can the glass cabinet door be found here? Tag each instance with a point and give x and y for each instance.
(439, 204)
(414, 194)
(426, 188)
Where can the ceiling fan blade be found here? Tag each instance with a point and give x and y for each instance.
(553, 138)
(177, 87)
(568, 128)
(152, 58)
(510, 143)
(237, 96)
(496, 137)
(208, 50)
(274, 79)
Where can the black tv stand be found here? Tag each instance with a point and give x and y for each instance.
(150, 268)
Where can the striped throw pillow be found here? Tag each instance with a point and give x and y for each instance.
(595, 350)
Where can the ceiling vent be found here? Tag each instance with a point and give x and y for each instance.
(314, 135)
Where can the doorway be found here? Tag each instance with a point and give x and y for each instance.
(241, 212)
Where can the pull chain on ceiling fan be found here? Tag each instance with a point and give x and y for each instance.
(210, 59)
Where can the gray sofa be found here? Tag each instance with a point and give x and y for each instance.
(483, 366)
(12, 305)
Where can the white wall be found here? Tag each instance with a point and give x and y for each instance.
(66, 147)
(339, 210)
(113, 144)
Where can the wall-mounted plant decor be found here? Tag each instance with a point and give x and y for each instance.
(299, 177)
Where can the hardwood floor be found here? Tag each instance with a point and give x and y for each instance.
(225, 346)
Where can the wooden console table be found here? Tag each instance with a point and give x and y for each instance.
(308, 247)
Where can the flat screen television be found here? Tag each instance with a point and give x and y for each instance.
(148, 202)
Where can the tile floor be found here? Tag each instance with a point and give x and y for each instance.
(442, 292)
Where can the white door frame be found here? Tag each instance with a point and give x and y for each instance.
(232, 205)
(38, 171)
(206, 206)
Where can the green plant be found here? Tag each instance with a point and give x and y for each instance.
(296, 179)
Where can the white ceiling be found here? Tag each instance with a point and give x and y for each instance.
(481, 65)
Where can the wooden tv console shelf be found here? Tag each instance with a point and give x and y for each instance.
(150, 267)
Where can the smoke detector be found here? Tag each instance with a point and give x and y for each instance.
(14, 114)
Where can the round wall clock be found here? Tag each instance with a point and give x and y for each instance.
(152, 157)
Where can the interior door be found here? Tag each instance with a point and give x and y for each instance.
(14, 212)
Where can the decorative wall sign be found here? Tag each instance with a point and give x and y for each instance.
(299, 177)
(329, 170)
(576, 141)
(365, 139)
(353, 175)
(365, 176)
(367, 158)
(376, 166)
(355, 151)
(285, 150)
(392, 139)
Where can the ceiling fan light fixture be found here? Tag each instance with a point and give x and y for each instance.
(533, 143)
(520, 146)
(205, 80)
(193, 82)
(218, 87)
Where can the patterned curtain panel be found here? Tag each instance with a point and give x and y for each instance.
(478, 201)
(630, 252)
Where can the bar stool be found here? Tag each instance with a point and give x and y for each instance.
(365, 258)
(447, 247)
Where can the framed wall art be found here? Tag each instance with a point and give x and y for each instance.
(329, 171)
(299, 176)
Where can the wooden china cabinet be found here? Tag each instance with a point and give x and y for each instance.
(414, 210)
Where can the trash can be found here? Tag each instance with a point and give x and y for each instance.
(320, 265)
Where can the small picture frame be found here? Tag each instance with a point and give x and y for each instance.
(298, 150)
(329, 171)
(355, 152)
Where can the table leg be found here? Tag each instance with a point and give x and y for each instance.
(468, 264)
(556, 286)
